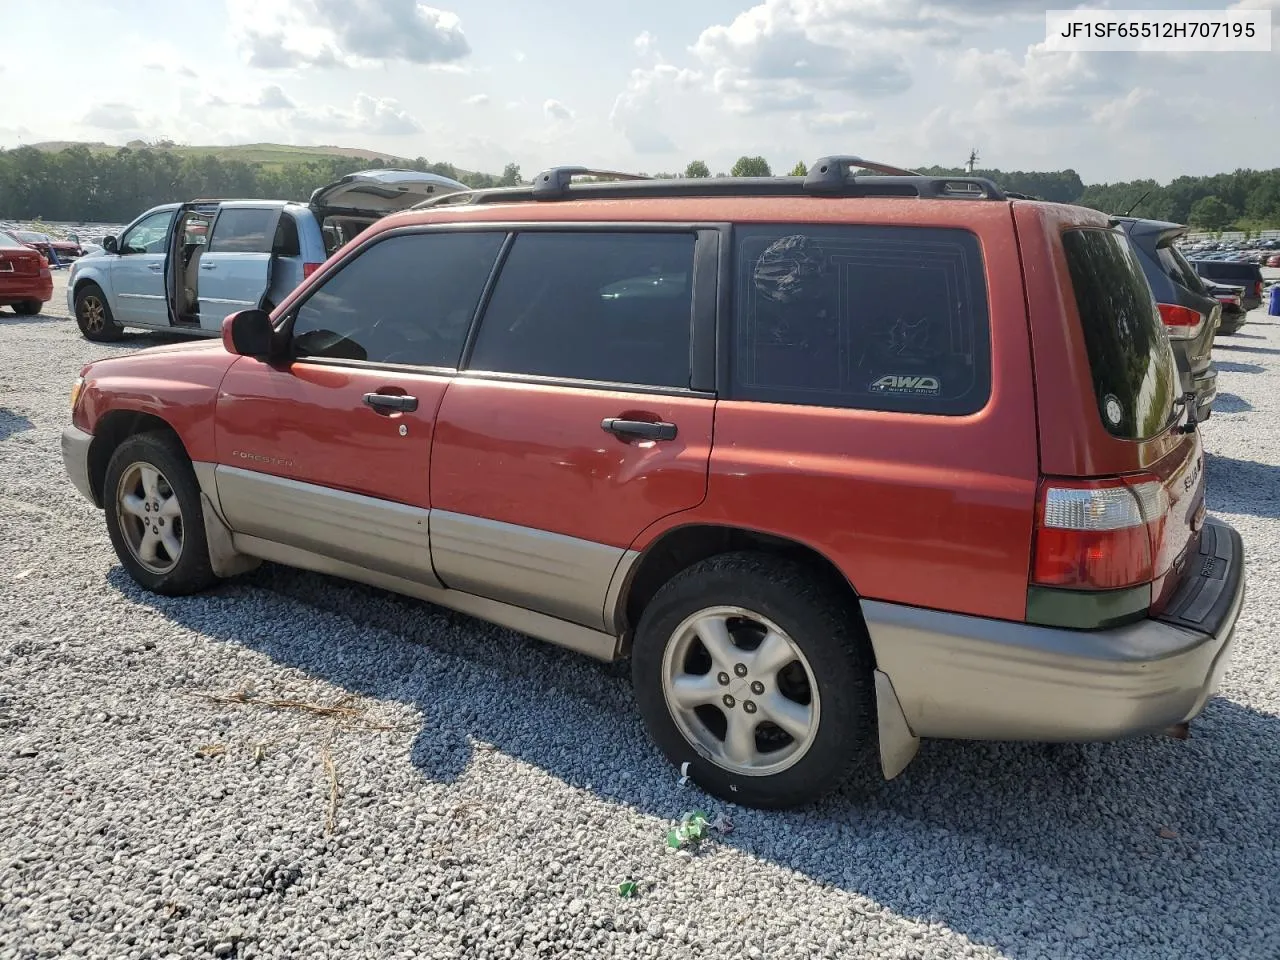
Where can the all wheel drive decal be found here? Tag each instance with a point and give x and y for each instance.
(907, 383)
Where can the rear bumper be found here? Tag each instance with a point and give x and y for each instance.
(20, 289)
(1206, 389)
(75, 458)
(962, 677)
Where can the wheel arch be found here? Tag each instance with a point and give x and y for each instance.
(681, 547)
(112, 429)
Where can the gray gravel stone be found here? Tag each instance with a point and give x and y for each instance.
(496, 791)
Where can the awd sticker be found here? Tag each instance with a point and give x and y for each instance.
(902, 383)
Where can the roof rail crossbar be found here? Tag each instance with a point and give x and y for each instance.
(830, 172)
(552, 184)
(832, 175)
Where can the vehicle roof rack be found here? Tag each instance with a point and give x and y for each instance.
(830, 177)
(552, 184)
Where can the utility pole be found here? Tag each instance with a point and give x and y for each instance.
(972, 161)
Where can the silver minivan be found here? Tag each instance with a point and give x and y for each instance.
(183, 267)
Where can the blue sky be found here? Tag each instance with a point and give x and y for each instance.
(643, 87)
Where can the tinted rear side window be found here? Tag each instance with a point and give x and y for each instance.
(612, 307)
(286, 241)
(241, 231)
(877, 318)
(1134, 375)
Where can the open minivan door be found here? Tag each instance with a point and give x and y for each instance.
(345, 207)
(187, 241)
(232, 271)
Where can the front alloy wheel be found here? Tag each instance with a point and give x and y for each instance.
(150, 518)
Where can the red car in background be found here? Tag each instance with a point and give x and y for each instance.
(67, 250)
(25, 281)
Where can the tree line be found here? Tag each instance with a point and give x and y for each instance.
(79, 184)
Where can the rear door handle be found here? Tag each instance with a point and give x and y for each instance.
(208, 266)
(639, 428)
(155, 267)
(391, 401)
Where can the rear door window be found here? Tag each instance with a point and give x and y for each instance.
(240, 230)
(1134, 374)
(875, 318)
(605, 307)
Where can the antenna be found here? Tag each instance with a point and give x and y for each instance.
(972, 161)
(1129, 212)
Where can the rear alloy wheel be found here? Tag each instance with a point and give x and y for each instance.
(93, 316)
(154, 516)
(756, 671)
(27, 308)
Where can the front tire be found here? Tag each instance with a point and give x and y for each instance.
(93, 315)
(27, 308)
(757, 672)
(154, 518)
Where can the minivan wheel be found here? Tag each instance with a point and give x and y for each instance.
(93, 316)
(152, 501)
(756, 671)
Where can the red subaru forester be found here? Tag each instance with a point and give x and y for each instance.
(840, 461)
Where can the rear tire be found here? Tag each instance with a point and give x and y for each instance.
(712, 703)
(93, 315)
(27, 308)
(154, 517)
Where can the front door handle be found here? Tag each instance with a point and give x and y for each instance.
(155, 267)
(208, 266)
(647, 429)
(391, 401)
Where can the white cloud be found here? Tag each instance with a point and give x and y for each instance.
(555, 110)
(112, 116)
(477, 100)
(273, 98)
(845, 121)
(641, 112)
(368, 115)
(645, 44)
(281, 34)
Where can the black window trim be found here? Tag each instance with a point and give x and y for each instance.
(728, 322)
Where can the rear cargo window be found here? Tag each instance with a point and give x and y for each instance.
(1177, 269)
(1135, 378)
(874, 318)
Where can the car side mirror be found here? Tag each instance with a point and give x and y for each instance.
(249, 333)
(110, 244)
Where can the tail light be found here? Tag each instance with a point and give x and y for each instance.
(1099, 534)
(1257, 289)
(309, 268)
(1183, 323)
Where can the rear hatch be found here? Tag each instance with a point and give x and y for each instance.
(1121, 498)
(346, 207)
(376, 193)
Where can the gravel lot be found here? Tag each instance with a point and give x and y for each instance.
(492, 792)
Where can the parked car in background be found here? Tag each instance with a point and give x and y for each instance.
(1234, 315)
(182, 267)
(1273, 260)
(841, 461)
(25, 281)
(1190, 315)
(1238, 273)
(65, 250)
